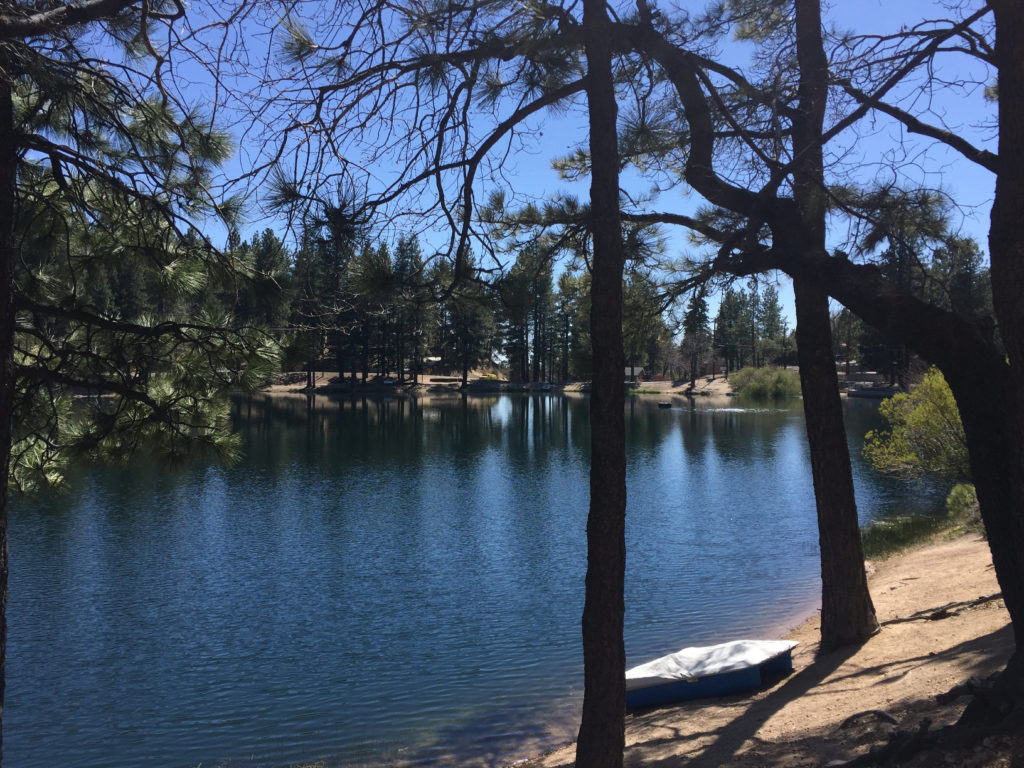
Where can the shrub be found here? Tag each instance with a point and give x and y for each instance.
(925, 436)
(962, 504)
(765, 383)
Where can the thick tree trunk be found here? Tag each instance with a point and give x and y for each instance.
(982, 392)
(1006, 247)
(8, 165)
(1005, 516)
(981, 381)
(987, 398)
(847, 613)
(602, 730)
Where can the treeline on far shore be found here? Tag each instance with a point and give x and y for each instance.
(368, 309)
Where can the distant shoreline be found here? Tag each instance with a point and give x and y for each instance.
(328, 382)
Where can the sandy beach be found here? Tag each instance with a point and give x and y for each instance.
(921, 651)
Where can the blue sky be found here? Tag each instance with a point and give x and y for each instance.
(865, 155)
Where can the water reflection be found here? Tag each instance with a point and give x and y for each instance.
(387, 580)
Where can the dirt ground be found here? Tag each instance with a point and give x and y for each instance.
(799, 721)
(717, 386)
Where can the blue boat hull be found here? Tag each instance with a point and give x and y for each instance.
(721, 684)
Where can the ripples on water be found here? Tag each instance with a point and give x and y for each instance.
(384, 582)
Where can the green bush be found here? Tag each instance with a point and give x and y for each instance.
(925, 436)
(925, 439)
(962, 504)
(765, 383)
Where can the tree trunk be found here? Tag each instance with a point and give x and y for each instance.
(8, 165)
(977, 373)
(1005, 516)
(982, 393)
(565, 353)
(847, 614)
(416, 351)
(601, 738)
(538, 362)
(366, 352)
(1006, 247)
(400, 347)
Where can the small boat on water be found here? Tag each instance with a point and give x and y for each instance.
(876, 393)
(664, 404)
(714, 670)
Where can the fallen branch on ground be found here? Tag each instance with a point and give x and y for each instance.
(944, 611)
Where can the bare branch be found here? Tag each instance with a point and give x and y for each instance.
(982, 157)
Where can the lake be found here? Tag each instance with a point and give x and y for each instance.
(394, 581)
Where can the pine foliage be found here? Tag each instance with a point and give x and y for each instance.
(117, 346)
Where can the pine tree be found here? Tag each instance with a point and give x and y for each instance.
(772, 325)
(574, 298)
(103, 275)
(696, 333)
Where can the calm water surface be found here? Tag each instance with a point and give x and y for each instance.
(393, 581)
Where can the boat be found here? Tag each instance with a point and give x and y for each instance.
(664, 404)
(873, 392)
(701, 672)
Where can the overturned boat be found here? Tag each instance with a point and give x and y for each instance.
(713, 670)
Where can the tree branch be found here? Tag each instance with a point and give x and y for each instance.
(15, 26)
(982, 157)
(664, 217)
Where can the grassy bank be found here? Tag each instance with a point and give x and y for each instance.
(883, 538)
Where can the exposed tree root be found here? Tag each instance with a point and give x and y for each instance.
(901, 746)
(997, 702)
(996, 709)
(881, 714)
(970, 688)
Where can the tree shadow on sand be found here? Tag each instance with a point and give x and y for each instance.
(723, 745)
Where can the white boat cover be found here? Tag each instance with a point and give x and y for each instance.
(693, 663)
